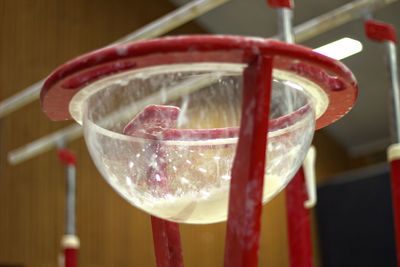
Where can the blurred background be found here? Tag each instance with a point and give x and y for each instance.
(353, 217)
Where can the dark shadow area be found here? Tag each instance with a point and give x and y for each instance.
(355, 221)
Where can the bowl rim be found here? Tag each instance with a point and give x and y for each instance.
(332, 76)
(81, 103)
(202, 137)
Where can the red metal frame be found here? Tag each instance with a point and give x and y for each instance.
(246, 189)
(173, 133)
(70, 244)
(166, 236)
(334, 78)
(298, 216)
(68, 158)
(167, 243)
(380, 31)
(71, 257)
(299, 222)
(395, 185)
(280, 3)
(383, 32)
(261, 56)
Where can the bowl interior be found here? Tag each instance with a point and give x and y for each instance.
(165, 137)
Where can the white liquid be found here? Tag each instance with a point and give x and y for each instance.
(209, 207)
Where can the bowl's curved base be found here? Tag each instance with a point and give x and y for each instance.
(210, 208)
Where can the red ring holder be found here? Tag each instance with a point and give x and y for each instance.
(260, 56)
(386, 33)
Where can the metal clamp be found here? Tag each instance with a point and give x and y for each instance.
(310, 178)
(280, 3)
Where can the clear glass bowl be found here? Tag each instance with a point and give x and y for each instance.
(165, 137)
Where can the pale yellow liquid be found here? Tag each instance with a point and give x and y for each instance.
(203, 208)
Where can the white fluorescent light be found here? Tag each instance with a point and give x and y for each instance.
(341, 48)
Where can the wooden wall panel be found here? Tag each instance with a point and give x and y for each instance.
(36, 36)
(332, 158)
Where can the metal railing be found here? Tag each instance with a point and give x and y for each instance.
(302, 32)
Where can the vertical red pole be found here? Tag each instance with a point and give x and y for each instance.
(299, 222)
(70, 245)
(394, 159)
(386, 33)
(71, 257)
(245, 198)
(166, 236)
(280, 3)
(167, 243)
(70, 241)
(298, 216)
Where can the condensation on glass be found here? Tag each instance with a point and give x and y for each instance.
(165, 137)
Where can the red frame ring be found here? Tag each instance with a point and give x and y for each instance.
(332, 76)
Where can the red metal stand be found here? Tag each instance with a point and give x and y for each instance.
(299, 222)
(394, 159)
(70, 244)
(383, 32)
(71, 257)
(167, 243)
(280, 3)
(380, 31)
(66, 157)
(166, 236)
(245, 201)
(70, 241)
(298, 216)
(245, 198)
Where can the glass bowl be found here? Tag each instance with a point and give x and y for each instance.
(161, 116)
(165, 137)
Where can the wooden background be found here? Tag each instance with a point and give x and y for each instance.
(36, 36)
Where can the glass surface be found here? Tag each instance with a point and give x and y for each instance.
(165, 137)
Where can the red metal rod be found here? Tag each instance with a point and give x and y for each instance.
(70, 241)
(383, 32)
(245, 199)
(280, 3)
(298, 217)
(166, 236)
(66, 156)
(71, 257)
(394, 159)
(395, 179)
(299, 222)
(167, 243)
(70, 244)
(379, 31)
